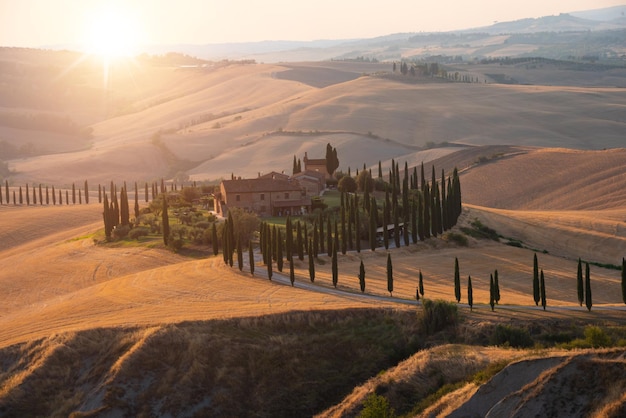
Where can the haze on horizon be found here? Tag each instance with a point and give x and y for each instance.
(34, 23)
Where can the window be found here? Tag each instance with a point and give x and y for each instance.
(262, 196)
(238, 198)
(286, 195)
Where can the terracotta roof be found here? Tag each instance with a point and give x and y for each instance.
(260, 185)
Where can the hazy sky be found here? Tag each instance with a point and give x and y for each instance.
(34, 23)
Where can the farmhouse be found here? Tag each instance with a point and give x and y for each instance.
(316, 164)
(266, 196)
(313, 181)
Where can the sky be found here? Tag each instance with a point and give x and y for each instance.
(41, 23)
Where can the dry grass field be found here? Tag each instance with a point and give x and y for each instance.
(120, 325)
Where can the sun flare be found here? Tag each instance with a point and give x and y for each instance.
(112, 33)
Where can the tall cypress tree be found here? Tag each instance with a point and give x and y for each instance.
(362, 277)
(108, 226)
(269, 268)
(426, 211)
(588, 301)
(496, 284)
(239, 255)
(321, 225)
(389, 275)
(421, 283)
(542, 285)
(166, 222)
(580, 287)
(86, 193)
(373, 223)
(385, 223)
(124, 209)
(470, 293)
(334, 267)
(457, 280)
(311, 262)
(357, 224)
(396, 226)
(40, 195)
(292, 276)
(279, 251)
(73, 194)
(536, 290)
(492, 298)
(250, 257)
(145, 192)
(67, 199)
(624, 279)
(47, 196)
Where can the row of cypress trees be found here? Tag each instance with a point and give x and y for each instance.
(43, 195)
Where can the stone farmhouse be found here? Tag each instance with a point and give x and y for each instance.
(263, 196)
(274, 194)
(316, 164)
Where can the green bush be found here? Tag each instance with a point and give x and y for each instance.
(140, 231)
(596, 337)
(460, 239)
(121, 231)
(438, 315)
(376, 406)
(510, 336)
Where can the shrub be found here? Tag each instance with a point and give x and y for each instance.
(437, 315)
(202, 224)
(140, 231)
(174, 242)
(460, 239)
(376, 406)
(120, 231)
(596, 337)
(511, 336)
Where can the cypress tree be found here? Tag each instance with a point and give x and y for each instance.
(457, 281)
(250, 257)
(496, 284)
(1, 197)
(292, 276)
(334, 267)
(542, 285)
(124, 209)
(588, 301)
(536, 290)
(456, 187)
(299, 241)
(279, 251)
(426, 211)
(580, 287)
(145, 192)
(40, 195)
(214, 239)
(86, 193)
(329, 237)
(396, 227)
(108, 227)
(413, 221)
(166, 221)
(421, 283)
(470, 293)
(137, 214)
(624, 279)
(288, 238)
(99, 193)
(315, 241)
(34, 196)
(73, 194)
(344, 240)
(357, 224)
(405, 227)
(80, 197)
(67, 199)
(269, 268)
(444, 204)
(239, 255)
(492, 298)
(6, 189)
(311, 262)
(14, 201)
(373, 223)
(54, 196)
(389, 275)
(274, 247)
(21, 196)
(48, 196)
(380, 170)
(423, 178)
(385, 223)
(321, 224)
(362, 277)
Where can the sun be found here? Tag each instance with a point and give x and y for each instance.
(112, 33)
